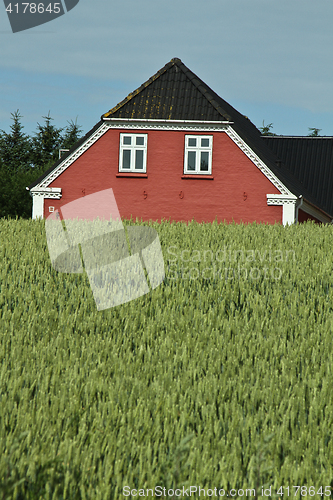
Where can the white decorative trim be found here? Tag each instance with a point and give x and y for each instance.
(258, 162)
(288, 203)
(281, 199)
(288, 213)
(74, 156)
(38, 197)
(151, 121)
(52, 192)
(181, 125)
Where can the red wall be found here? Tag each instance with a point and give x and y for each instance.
(238, 191)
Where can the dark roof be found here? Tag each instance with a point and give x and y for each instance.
(173, 93)
(310, 160)
(176, 93)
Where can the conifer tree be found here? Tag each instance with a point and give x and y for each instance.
(23, 159)
(15, 147)
(71, 135)
(46, 143)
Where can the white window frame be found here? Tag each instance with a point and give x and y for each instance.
(133, 147)
(198, 149)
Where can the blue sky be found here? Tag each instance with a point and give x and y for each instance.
(271, 60)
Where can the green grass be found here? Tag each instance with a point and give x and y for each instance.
(215, 382)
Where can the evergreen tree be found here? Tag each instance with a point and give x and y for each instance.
(15, 169)
(15, 200)
(15, 147)
(24, 159)
(266, 129)
(46, 143)
(72, 135)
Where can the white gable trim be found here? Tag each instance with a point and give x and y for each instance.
(71, 159)
(286, 198)
(38, 197)
(177, 125)
(42, 191)
(258, 162)
(288, 203)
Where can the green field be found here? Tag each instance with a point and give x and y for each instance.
(220, 378)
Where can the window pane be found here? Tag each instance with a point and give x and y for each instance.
(140, 141)
(191, 160)
(127, 140)
(205, 143)
(127, 158)
(139, 159)
(192, 142)
(204, 161)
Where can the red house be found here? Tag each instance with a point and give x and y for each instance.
(173, 149)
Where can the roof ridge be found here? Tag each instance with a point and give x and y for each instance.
(203, 88)
(213, 98)
(142, 87)
(199, 84)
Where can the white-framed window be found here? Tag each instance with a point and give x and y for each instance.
(198, 154)
(133, 153)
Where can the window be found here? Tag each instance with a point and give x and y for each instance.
(198, 154)
(133, 153)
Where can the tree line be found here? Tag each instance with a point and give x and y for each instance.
(267, 130)
(24, 158)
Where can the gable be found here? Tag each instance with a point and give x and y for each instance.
(236, 190)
